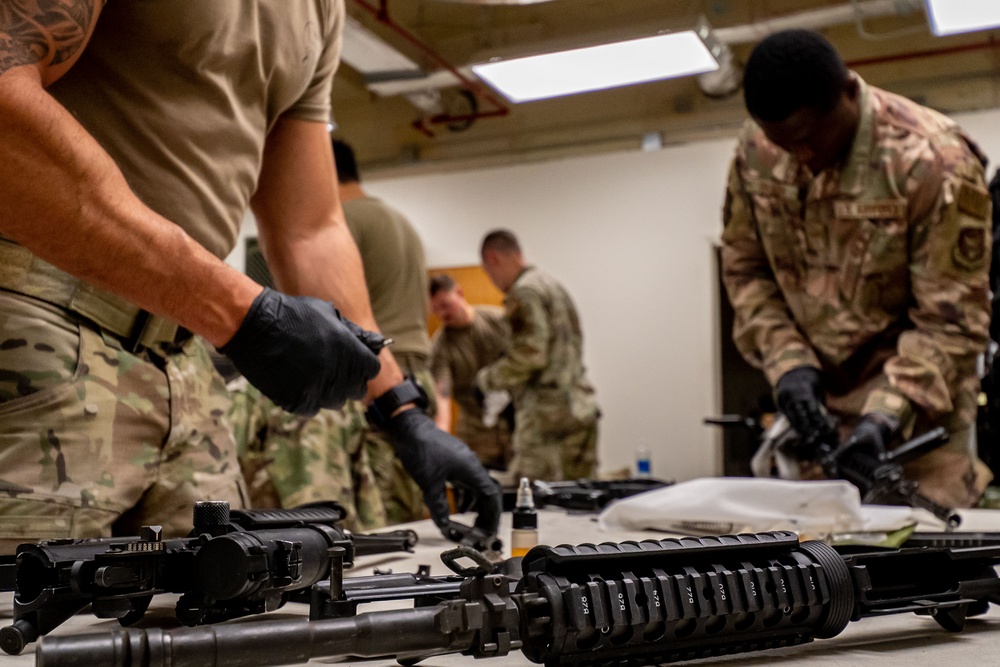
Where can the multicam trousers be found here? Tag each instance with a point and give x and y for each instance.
(289, 459)
(96, 440)
(335, 455)
(554, 457)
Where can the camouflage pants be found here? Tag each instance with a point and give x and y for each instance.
(403, 499)
(96, 440)
(952, 476)
(553, 451)
(288, 459)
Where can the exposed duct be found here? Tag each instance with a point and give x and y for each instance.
(376, 60)
(817, 19)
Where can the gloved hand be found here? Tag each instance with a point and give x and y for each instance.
(433, 457)
(302, 354)
(872, 435)
(800, 398)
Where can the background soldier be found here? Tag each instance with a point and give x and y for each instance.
(855, 254)
(396, 275)
(470, 338)
(555, 434)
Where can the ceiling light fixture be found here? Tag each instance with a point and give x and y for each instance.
(951, 17)
(598, 67)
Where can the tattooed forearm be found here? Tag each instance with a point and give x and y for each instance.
(43, 31)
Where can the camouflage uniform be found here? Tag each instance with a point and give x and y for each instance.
(555, 431)
(289, 459)
(95, 437)
(875, 273)
(457, 354)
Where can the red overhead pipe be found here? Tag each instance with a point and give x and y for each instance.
(381, 13)
(913, 55)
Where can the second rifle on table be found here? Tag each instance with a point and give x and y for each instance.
(234, 563)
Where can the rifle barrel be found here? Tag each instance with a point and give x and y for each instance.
(263, 644)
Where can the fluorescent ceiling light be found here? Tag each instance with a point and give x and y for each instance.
(950, 17)
(598, 67)
(370, 55)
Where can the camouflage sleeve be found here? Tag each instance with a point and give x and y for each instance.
(529, 344)
(950, 241)
(763, 329)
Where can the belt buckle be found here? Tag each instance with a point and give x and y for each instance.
(133, 341)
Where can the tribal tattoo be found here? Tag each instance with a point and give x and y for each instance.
(43, 31)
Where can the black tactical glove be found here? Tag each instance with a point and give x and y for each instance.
(302, 354)
(800, 398)
(872, 435)
(433, 457)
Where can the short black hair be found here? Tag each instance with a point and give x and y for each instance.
(441, 283)
(792, 70)
(501, 240)
(347, 165)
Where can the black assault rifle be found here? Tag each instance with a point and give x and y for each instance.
(583, 495)
(233, 563)
(880, 479)
(632, 603)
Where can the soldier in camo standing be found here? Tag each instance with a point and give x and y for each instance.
(855, 254)
(555, 432)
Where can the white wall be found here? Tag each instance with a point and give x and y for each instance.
(984, 126)
(630, 235)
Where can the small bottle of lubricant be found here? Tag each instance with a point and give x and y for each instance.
(525, 533)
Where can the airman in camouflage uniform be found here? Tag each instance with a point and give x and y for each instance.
(555, 431)
(873, 271)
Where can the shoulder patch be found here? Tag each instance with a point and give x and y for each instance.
(973, 200)
(969, 252)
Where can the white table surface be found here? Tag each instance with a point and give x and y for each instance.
(904, 640)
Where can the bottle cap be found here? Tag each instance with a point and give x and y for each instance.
(524, 517)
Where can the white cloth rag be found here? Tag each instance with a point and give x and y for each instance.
(724, 505)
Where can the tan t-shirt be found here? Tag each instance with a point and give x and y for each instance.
(459, 352)
(182, 95)
(395, 272)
